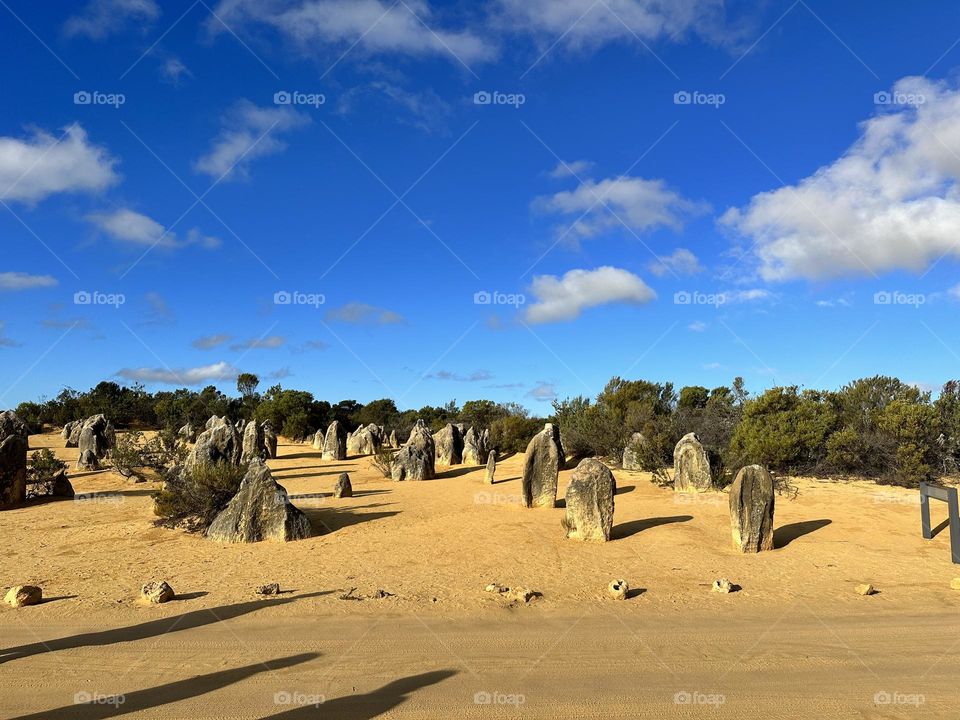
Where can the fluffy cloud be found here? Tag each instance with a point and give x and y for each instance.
(249, 132)
(14, 281)
(570, 169)
(588, 23)
(890, 202)
(638, 203)
(365, 26)
(680, 262)
(209, 342)
(565, 298)
(220, 371)
(41, 165)
(362, 314)
(129, 226)
(101, 18)
(543, 392)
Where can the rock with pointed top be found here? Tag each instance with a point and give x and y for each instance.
(220, 443)
(335, 442)
(270, 440)
(449, 445)
(631, 453)
(541, 468)
(253, 442)
(343, 488)
(589, 500)
(393, 442)
(259, 511)
(491, 467)
(416, 459)
(751, 510)
(474, 447)
(14, 444)
(188, 433)
(691, 466)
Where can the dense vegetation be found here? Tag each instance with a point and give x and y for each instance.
(876, 427)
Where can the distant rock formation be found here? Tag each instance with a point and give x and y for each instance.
(691, 466)
(449, 445)
(14, 444)
(416, 459)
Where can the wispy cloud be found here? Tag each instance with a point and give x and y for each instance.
(543, 392)
(221, 371)
(15, 281)
(271, 342)
(102, 18)
(475, 376)
(130, 227)
(362, 314)
(209, 342)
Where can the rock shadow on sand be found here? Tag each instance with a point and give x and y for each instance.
(786, 534)
(625, 530)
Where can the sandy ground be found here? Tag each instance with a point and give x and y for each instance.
(795, 641)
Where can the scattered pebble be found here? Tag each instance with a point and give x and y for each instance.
(955, 584)
(381, 594)
(157, 592)
(618, 589)
(497, 588)
(523, 594)
(270, 589)
(722, 586)
(22, 595)
(865, 589)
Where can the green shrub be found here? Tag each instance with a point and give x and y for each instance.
(44, 471)
(128, 455)
(382, 460)
(194, 499)
(512, 434)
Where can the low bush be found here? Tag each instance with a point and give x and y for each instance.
(194, 499)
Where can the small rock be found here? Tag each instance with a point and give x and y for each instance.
(955, 584)
(497, 588)
(270, 589)
(618, 589)
(865, 589)
(157, 592)
(722, 586)
(22, 595)
(523, 594)
(343, 488)
(381, 594)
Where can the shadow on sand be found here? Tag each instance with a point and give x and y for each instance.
(327, 519)
(368, 705)
(625, 530)
(150, 629)
(785, 535)
(142, 700)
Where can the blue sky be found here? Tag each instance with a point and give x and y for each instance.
(510, 199)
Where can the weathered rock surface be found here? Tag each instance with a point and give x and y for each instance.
(88, 460)
(259, 511)
(631, 455)
(474, 447)
(865, 590)
(491, 467)
(449, 445)
(365, 441)
(691, 466)
(220, 443)
(722, 586)
(335, 442)
(416, 459)
(253, 442)
(23, 595)
(269, 440)
(751, 510)
(14, 444)
(157, 592)
(618, 589)
(343, 488)
(318, 438)
(268, 589)
(541, 468)
(590, 504)
(393, 441)
(188, 433)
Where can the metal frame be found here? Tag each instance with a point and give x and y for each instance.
(949, 496)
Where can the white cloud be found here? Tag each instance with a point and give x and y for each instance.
(34, 168)
(892, 201)
(570, 169)
(173, 70)
(14, 281)
(543, 392)
(220, 371)
(475, 376)
(272, 342)
(363, 314)
(129, 226)
(209, 342)
(680, 262)
(635, 202)
(366, 26)
(249, 132)
(424, 110)
(101, 18)
(565, 298)
(587, 23)
(746, 296)
(697, 326)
